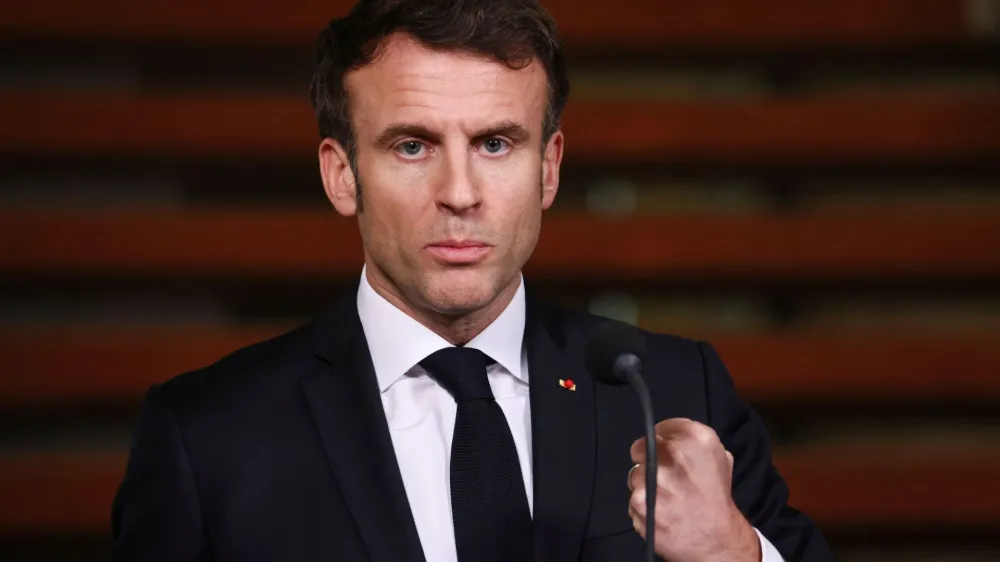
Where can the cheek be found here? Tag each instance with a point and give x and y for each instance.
(394, 200)
(521, 219)
(515, 184)
(528, 237)
(527, 223)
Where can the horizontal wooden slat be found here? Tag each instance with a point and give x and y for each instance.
(108, 363)
(72, 365)
(290, 243)
(888, 368)
(858, 487)
(931, 128)
(631, 23)
(77, 490)
(868, 486)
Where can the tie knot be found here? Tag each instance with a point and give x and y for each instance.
(461, 371)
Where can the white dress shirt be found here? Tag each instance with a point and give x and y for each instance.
(421, 413)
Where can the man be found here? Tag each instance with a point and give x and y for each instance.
(430, 415)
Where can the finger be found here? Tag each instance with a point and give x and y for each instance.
(637, 485)
(633, 514)
(665, 478)
(674, 427)
(637, 502)
(633, 479)
(638, 450)
(732, 461)
(638, 523)
(687, 431)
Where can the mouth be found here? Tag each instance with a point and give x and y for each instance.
(459, 252)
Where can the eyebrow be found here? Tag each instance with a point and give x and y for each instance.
(397, 130)
(513, 130)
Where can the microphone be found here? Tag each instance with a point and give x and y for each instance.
(613, 355)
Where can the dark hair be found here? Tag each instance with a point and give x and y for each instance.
(513, 32)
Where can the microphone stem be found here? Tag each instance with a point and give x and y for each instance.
(635, 378)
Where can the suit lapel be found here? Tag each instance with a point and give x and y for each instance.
(563, 440)
(346, 406)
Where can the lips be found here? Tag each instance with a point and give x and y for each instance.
(459, 252)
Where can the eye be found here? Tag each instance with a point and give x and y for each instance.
(410, 149)
(495, 146)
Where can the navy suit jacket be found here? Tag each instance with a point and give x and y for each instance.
(282, 452)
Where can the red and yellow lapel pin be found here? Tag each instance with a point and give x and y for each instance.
(568, 384)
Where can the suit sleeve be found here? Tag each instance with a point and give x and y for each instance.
(156, 514)
(758, 489)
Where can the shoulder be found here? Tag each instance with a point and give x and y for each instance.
(244, 375)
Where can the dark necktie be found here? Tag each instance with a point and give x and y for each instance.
(488, 501)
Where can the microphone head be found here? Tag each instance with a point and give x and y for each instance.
(606, 343)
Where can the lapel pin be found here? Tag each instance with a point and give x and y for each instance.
(568, 384)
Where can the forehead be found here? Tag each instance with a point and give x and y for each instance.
(411, 82)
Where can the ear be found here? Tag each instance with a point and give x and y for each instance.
(550, 169)
(338, 177)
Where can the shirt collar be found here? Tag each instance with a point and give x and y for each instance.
(397, 342)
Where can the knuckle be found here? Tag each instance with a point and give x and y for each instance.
(703, 434)
(674, 452)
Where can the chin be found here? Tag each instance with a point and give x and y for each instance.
(460, 291)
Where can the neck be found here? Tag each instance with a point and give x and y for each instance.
(456, 329)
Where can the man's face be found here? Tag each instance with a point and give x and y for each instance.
(452, 172)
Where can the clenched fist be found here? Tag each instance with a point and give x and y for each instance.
(696, 518)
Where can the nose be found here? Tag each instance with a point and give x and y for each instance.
(459, 192)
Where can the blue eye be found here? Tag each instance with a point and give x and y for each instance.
(410, 148)
(495, 146)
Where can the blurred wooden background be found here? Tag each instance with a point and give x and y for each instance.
(813, 185)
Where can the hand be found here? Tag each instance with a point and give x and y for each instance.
(696, 517)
